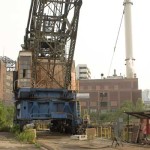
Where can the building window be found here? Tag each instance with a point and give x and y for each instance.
(104, 104)
(81, 87)
(106, 87)
(113, 110)
(103, 111)
(93, 110)
(82, 67)
(98, 87)
(24, 73)
(85, 88)
(93, 103)
(83, 104)
(89, 87)
(114, 103)
(115, 87)
(103, 94)
(83, 72)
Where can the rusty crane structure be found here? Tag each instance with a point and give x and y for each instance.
(51, 37)
(43, 90)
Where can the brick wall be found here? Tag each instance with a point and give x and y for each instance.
(2, 80)
(117, 92)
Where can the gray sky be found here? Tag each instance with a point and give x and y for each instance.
(98, 27)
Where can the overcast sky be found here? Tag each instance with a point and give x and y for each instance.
(98, 27)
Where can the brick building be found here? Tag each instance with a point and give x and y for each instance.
(2, 80)
(6, 84)
(9, 88)
(108, 94)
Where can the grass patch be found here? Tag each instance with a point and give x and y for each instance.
(37, 145)
(27, 136)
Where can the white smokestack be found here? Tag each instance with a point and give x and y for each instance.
(128, 39)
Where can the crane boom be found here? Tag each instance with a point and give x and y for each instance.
(51, 37)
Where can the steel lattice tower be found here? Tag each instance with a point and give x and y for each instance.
(51, 37)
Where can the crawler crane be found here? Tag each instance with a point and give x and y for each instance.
(43, 83)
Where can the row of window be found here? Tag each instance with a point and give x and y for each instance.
(91, 110)
(98, 87)
(100, 104)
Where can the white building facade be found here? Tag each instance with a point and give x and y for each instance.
(146, 97)
(82, 72)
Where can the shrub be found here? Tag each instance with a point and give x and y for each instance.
(15, 129)
(6, 117)
(27, 136)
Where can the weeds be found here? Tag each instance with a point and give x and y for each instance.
(37, 145)
(27, 136)
(6, 117)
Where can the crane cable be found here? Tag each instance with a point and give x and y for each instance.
(116, 41)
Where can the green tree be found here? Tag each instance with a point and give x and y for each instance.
(6, 116)
(127, 106)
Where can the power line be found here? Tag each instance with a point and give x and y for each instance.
(116, 41)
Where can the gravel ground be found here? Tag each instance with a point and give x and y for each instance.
(61, 142)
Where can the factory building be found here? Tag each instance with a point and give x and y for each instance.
(2, 80)
(9, 95)
(6, 80)
(82, 72)
(108, 94)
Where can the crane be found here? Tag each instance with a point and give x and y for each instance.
(51, 35)
(43, 88)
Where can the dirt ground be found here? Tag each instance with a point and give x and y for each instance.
(61, 142)
(66, 143)
(8, 142)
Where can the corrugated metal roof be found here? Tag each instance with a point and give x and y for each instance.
(141, 115)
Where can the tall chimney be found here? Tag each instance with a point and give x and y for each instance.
(128, 39)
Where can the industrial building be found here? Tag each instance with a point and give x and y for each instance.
(146, 95)
(2, 79)
(108, 94)
(7, 67)
(146, 98)
(9, 95)
(83, 72)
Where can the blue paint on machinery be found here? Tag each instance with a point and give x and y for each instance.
(59, 106)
